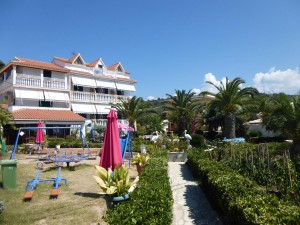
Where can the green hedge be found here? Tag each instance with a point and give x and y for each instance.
(239, 199)
(151, 202)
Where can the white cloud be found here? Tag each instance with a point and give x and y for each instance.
(196, 91)
(274, 81)
(151, 98)
(211, 78)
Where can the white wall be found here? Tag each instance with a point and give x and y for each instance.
(262, 129)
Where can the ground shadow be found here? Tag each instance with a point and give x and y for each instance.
(88, 194)
(200, 209)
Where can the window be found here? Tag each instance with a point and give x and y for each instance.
(78, 61)
(47, 73)
(45, 104)
(78, 88)
(83, 115)
(119, 69)
(120, 92)
(100, 66)
(105, 91)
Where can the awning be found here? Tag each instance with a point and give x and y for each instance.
(84, 108)
(29, 94)
(84, 81)
(56, 96)
(126, 87)
(105, 84)
(103, 109)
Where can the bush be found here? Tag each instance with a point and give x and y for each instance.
(254, 133)
(151, 202)
(198, 141)
(240, 200)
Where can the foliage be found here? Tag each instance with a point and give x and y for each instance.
(151, 202)
(254, 133)
(114, 182)
(198, 141)
(240, 199)
(282, 114)
(130, 109)
(179, 109)
(2, 64)
(140, 159)
(230, 99)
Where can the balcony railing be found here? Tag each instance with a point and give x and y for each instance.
(34, 81)
(102, 122)
(54, 83)
(26, 80)
(96, 97)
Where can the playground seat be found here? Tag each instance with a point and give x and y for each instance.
(28, 196)
(54, 193)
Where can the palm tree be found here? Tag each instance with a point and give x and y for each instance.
(281, 113)
(130, 108)
(230, 99)
(179, 109)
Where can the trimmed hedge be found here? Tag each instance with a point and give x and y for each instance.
(240, 200)
(152, 201)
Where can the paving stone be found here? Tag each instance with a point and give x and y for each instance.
(190, 203)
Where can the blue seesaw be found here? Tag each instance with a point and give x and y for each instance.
(32, 184)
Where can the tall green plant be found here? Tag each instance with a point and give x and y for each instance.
(230, 99)
(179, 109)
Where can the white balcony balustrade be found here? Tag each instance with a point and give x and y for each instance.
(54, 83)
(102, 122)
(27, 80)
(96, 97)
(35, 81)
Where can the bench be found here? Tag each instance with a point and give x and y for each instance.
(28, 196)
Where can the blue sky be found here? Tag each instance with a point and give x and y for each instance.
(165, 44)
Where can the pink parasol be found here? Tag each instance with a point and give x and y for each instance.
(111, 150)
(39, 134)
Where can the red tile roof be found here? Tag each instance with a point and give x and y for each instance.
(93, 64)
(46, 114)
(38, 64)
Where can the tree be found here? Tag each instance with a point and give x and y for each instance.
(230, 99)
(179, 109)
(282, 114)
(2, 64)
(5, 118)
(130, 109)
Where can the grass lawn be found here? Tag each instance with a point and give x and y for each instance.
(79, 203)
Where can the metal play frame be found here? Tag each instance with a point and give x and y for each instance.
(57, 158)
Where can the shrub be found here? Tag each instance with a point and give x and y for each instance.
(240, 199)
(197, 141)
(151, 202)
(254, 133)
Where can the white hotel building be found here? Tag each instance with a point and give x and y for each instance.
(64, 92)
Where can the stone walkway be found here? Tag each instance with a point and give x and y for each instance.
(190, 203)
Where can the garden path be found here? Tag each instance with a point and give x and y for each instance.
(190, 203)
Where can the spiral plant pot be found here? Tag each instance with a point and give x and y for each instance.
(120, 198)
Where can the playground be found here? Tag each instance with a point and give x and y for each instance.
(78, 203)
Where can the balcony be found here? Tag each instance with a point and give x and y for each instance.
(95, 97)
(35, 81)
(102, 122)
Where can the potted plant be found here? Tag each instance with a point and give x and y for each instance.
(140, 160)
(115, 183)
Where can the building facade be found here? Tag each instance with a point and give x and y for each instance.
(64, 89)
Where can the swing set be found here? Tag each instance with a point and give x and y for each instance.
(58, 159)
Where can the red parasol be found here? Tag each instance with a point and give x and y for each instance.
(111, 150)
(39, 134)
